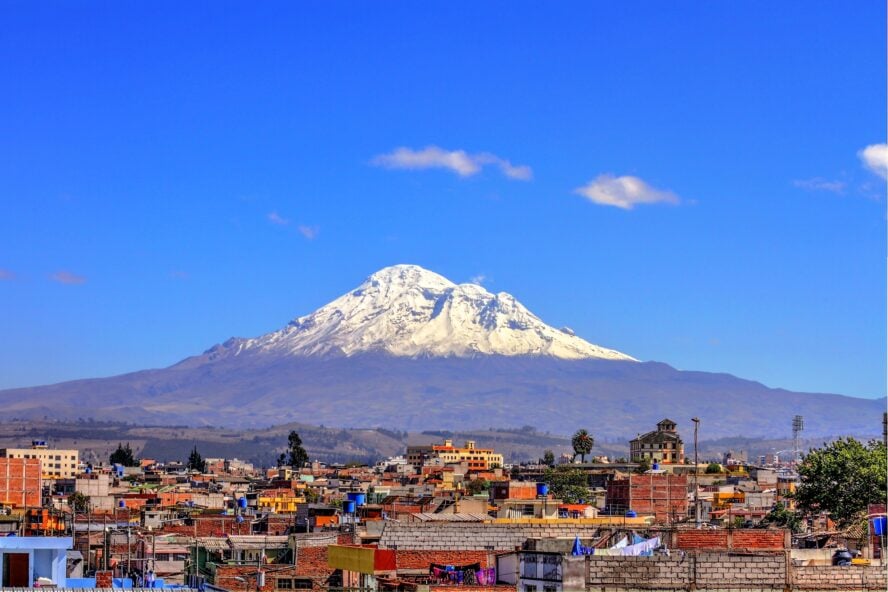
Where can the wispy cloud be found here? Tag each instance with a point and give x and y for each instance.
(309, 232)
(624, 192)
(6, 275)
(458, 161)
(875, 158)
(68, 278)
(478, 279)
(277, 219)
(821, 184)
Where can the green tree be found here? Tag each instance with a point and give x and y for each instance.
(196, 461)
(123, 456)
(644, 465)
(842, 478)
(549, 458)
(582, 442)
(780, 516)
(568, 484)
(298, 455)
(713, 468)
(78, 502)
(476, 486)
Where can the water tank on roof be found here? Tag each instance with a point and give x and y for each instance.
(239, 519)
(241, 502)
(631, 514)
(348, 506)
(656, 466)
(359, 498)
(121, 504)
(542, 489)
(89, 470)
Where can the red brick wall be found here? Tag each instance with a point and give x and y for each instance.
(20, 482)
(423, 559)
(701, 539)
(758, 539)
(104, 579)
(664, 496)
(733, 539)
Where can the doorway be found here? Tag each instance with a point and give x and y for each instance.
(15, 570)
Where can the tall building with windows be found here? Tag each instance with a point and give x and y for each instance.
(477, 459)
(663, 445)
(55, 463)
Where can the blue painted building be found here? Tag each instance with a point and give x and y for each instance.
(25, 559)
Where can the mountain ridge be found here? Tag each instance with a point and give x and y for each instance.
(408, 311)
(335, 367)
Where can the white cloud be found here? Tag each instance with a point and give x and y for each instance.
(5, 274)
(68, 278)
(624, 192)
(875, 158)
(478, 279)
(309, 232)
(821, 184)
(457, 161)
(276, 218)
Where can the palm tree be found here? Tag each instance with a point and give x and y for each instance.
(582, 443)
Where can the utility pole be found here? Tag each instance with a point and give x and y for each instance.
(696, 421)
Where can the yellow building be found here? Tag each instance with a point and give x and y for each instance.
(279, 504)
(477, 459)
(55, 464)
(722, 500)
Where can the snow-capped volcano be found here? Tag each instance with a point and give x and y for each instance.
(408, 311)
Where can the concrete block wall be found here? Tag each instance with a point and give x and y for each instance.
(705, 571)
(731, 570)
(853, 577)
(727, 571)
(474, 536)
(639, 572)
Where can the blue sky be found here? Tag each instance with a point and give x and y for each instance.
(683, 182)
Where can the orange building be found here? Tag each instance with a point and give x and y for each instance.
(21, 483)
(477, 459)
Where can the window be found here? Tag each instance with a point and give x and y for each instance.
(302, 584)
(552, 567)
(530, 588)
(550, 589)
(284, 584)
(530, 567)
(527, 510)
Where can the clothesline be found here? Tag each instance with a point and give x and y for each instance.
(639, 547)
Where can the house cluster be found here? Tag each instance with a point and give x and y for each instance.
(441, 517)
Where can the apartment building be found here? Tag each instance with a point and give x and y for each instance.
(55, 463)
(477, 459)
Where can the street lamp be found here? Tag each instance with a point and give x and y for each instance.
(696, 421)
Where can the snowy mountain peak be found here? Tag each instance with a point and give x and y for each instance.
(405, 310)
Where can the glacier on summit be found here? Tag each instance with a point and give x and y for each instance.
(408, 311)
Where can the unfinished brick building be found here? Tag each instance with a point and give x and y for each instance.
(663, 495)
(20, 482)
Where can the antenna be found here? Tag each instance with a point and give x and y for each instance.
(798, 424)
